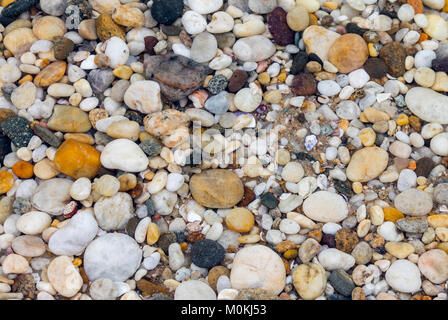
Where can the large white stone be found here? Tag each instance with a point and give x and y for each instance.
(144, 96)
(112, 213)
(325, 206)
(428, 105)
(404, 276)
(73, 238)
(114, 255)
(254, 48)
(194, 290)
(125, 155)
(52, 195)
(333, 259)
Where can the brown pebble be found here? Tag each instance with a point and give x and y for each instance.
(237, 80)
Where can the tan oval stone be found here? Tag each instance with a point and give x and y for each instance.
(14, 263)
(348, 52)
(216, 188)
(367, 164)
(48, 27)
(124, 129)
(50, 74)
(401, 250)
(19, 41)
(45, 169)
(310, 280)
(128, 16)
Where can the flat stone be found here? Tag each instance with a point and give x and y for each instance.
(254, 48)
(310, 280)
(319, 40)
(64, 276)
(413, 202)
(367, 164)
(348, 52)
(51, 196)
(325, 206)
(69, 119)
(433, 264)
(206, 188)
(428, 105)
(404, 276)
(194, 290)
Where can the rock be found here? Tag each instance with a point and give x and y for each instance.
(413, 202)
(204, 6)
(342, 282)
(28, 246)
(206, 253)
(404, 276)
(165, 122)
(310, 280)
(240, 220)
(319, 40)
(100, 80)
(204, 47)
(62, 47)
(346, 240)
(103, 289)
(113, 255)
(245, 100)
(258, 266)
(149, 288)
(18, 130)
(104, 6)
(117, 51)
(112, 213)
(433, 264)
(206, 188)
(333, 259)
(128, 16)
(25, 284)
(124, 129)
(124, 155)
(77, 159)
(178, 76)
(254, 48)
(394, 55)
(362, 253)
(427, 104)
(376, 68)
(348, 52)
(297, 18)
(164, 202)
(48, 27)
(400, 250)
(74, 237)
(143, 96)
(328, 88)
(304, 84)
(237, 80)
(50, 74)
(193, 22)
(64, 276)
(308, 250)
(23, 97)
(367, 164)
(221, 22)
(279, 28)
(51, 196)
(53, 7)
(106, 28)
(325, 206)
(69, 119)
(194, 290)
(33, 222)
(413, 224)
(14, 263)
(437, 27)
(87, 29)
(19, 41)
(217, 84)
(150, 147)
(262, 6)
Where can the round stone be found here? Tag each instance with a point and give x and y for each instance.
(433, 264)
(194, 290)
(240, 220)
(206, 253)
(348, 52)
(325, 206)
(404, 276)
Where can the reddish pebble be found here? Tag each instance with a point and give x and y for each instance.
(150, 43)
(303, 84)
(279, 28)
(237, 80)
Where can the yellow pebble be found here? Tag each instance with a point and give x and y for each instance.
(332, 5)
(55, 223)
(183, 246)
(392, 214)
(367, 136)
(149, 175)
(402, 119)
(372, 51)
(282, 76)
(264, 78)
(4, 3)
(343, 124)
(272, 96)
(77, 262)
(357, 187)
(240, 220)
(290, 254)
(122, 72)
(26, 78)
(153, 233)
(445, 7)
(6, 181)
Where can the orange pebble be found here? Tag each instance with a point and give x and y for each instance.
(6, 181)
(26, 78)
(423, 37)
(392, 214)
(417, 5)
(412, 165)
(23, 169)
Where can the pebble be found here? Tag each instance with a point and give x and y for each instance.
(52, 195)
(413, 202)
(64, 276)
(194, 290)
(325, 206)
(254, 48)
(348, 53)
(112, 213)
(334, 259)
(309, 280)
(404, 276)
(432, 264)
(367, 164)
(204, 47)
(114, 255)
(124, 155)
(258, 266)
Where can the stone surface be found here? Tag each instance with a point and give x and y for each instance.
(404, 276)
(64, 276)
(427, 104)
(124, 155)
(367, 164)
(319, 40)
(325, 206)
(258, 266)
(413, 202)
(348, 52)
(254, 48)
(206, 188)
(52, 195)
(310, 280)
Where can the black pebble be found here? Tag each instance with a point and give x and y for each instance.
(299, 62)
(329, 240)
(314, 57)
(18, 130)
(353, 28)
(5, 146)
(207, 253)
(167, 11)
